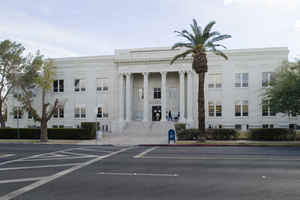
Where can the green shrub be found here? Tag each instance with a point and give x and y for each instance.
(179, 126)
(187, 134)
(213, 134)
(88, 131)
(221, 134)
(272, 134)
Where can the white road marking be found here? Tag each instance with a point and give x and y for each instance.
(40, 166)
(219, 158)
(65, 158)
(48, 179)
(84, 149)
(76, 154)
(6, 155)
(21, 180)
(30, 157)
(136, 174)
(145, 152)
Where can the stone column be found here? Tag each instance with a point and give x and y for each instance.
(182, 96)
(146, 99)
(121, 97)
(163, 95)
(190, 96)
(128, 96)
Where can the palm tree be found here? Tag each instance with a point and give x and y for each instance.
(199, 42)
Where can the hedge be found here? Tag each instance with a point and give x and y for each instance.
(272, 134)
(88, 131)
(213, 134)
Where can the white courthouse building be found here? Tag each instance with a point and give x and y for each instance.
(138, 88)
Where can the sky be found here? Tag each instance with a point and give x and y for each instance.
(67, 28)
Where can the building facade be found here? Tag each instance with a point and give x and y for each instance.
(140, 85)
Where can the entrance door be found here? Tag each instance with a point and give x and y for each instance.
(156, 113)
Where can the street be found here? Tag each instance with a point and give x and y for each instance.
(40, 171)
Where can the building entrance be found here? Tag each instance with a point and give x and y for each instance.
(156, 113)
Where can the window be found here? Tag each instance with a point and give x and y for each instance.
(102, 84)
(292, 126)
(17, 112)
(80, 111)
(30, 116)
(79, 85)
(156, 93)
(211, 109)
(58, 86)
(218, 110)
(140, 93)
(268, 125)
(215, 80)
(266, 109)
(101, 113)
(241, 108)
(266, 78)
(59, 113)
(214, 109)
(241, 79)
(238, 126)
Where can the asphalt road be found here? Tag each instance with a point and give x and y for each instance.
(60, 172)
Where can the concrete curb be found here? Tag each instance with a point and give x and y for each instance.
(220, 145)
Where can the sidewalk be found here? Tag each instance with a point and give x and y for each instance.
(141, 142)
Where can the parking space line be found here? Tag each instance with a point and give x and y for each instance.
(30, 157)
(93, 150)
(40, 166)
(145, 152)
(136, 174)
(48, 179)
(21, 180)
(65, 158)
(217, 158)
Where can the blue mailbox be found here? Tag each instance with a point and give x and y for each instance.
(172, 135)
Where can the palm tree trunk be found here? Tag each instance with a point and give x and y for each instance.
(201, 105)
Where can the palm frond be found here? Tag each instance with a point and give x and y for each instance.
(212, 45)
(219, 38)
(220, 53)
(181, 44)
(208, 27)
(182, 55)
(183, 34)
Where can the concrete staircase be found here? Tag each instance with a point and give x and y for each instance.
(139, 132)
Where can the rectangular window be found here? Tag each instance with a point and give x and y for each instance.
(265, 125)
(218, 110)
(140, 93)
(266, 109)
(241, 79)
(61, 85)
(55, 86)
(211, 109)
(267, 77)
(102, 84)
(99, 112)
(245, 108)
(241, 108)
(156, 93)
(80, 111)
(30, 116)
(58, 86)
(238, 126)
(79, 85)
(59, 113)
(17, 112)
(210, 80)
(238, 80)
(214, 80)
